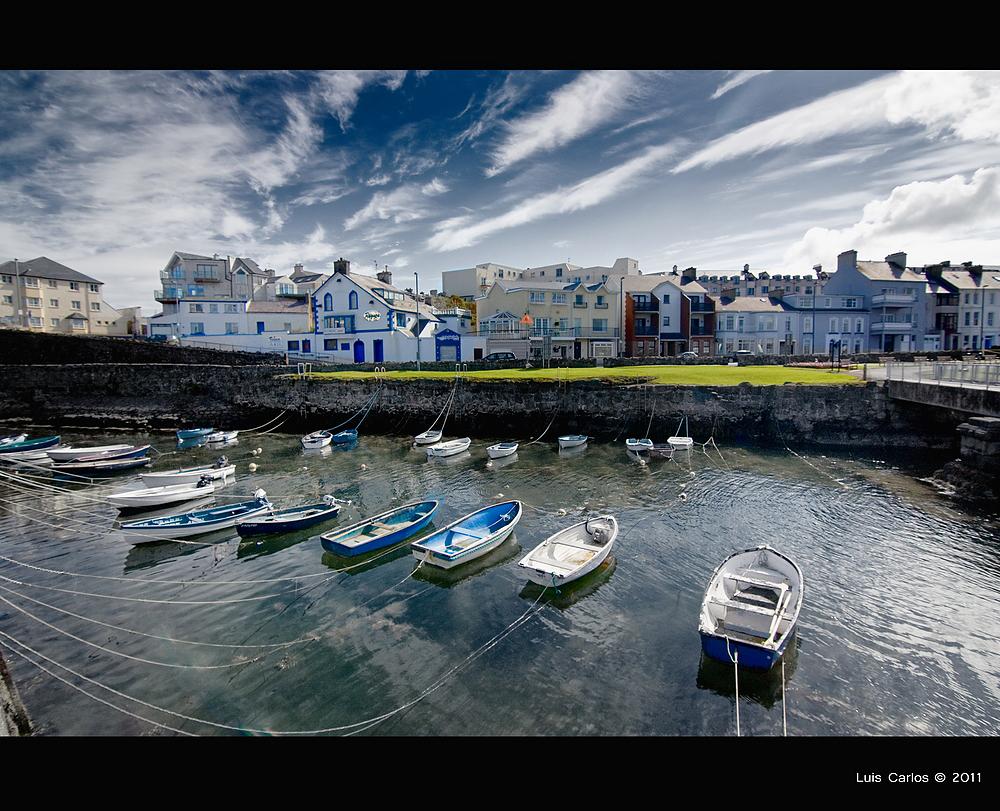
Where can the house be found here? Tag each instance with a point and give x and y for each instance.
(471, 283)
(657, 316)
(46, 296)
(962, 311)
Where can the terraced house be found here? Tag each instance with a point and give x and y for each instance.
(46, 296)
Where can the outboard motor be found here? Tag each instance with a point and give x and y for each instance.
(204, 481)
(260, 494)
(330, 500)
(221, 462)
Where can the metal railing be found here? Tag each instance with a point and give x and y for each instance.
(971, 374)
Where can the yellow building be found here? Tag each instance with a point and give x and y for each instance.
(44, 296)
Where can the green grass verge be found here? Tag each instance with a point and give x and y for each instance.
(667, 375)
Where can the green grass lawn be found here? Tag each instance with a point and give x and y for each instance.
(668, 375)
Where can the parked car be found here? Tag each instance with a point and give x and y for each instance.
(688, 355)
(495, 357)
(742, 353)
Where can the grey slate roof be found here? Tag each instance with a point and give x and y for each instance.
(45, 268)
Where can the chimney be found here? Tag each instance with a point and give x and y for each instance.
(848, 260)
(898, 259)
(746, 268)
(689, 274)
(298, 269)
(342, 266)
(384, 276)
(818, 269)
(675, 268)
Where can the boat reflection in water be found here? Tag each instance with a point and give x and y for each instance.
(570, 594)
(152, 553)
(259, 545)
(759, 686)
(326, 450)
(357, 564)
(193, 442)
(446, 578)
(464, 456)
(578, 450)
(503, 461)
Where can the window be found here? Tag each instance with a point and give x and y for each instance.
(850, 303)
(35, 322)
(788, 325)
(989, 318)
(400, 319)
(53, 283)
(288, 326)
(74, 285)
(345, 346)
(7, 279)
(232, 328)
(967, 314)
(739, 323)
(76, 305)
(666, 320)
(213, 308)
(34, 302)
(966, 298)
(78, 323)
(578, 301)
(558, 273)
(94, 306)
(53, 302)
(352, 301)
(845, 325)
(177, 272)
(232, 308)
(8, 299)
(536, 298)
(833, 325)
(859, 326)
(767, 324)
(558, 298)
(330, 345)
(600, 325)
(31, 283)
(327, 302)
(54, 322)
(600, 301)
(729, 322)
(94, 288)
(764, 288)
(807, 324)
(975, 319)
(196, 308)
(197, 328)
(750, 291)
(293, 346)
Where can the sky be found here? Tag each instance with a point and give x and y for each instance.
(427, 171)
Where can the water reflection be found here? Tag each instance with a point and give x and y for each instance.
(569, 595)
(446, 578)
(761, 687)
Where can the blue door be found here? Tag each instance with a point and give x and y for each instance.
(377, 349)
(359, 351)
(260, 327)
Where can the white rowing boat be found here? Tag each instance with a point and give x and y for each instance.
(156, 496)
(501, 449)
(71, 454)
(428, 438)
(450, 448)
(220, 470)
(571, 553)
(573, 440)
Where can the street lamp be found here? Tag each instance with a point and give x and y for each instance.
(982, 315)
(416, 299)
(621, 315)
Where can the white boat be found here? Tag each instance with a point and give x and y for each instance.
(572, 440)
(221, 436)
(750, 607)
(7, 440)
(450, 448)
(679, 441)
(638, 445)
(572, 552)
(428, 438)
(220, 470)
(317, 439)
(35, 457)
(70, 454)
(182, 525)
(470, 537)
(501, 449)
(155, 496)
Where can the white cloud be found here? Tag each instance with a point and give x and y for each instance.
(930, 220)
(461, 232)
(339, 90)
(965, 104)
(740, 77)
(573, 110)
(406, 203)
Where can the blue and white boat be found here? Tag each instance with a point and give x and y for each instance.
(345, 437)
(380, 531)
(751, 607)
(182, 525)
(470, 537)
(317, 439)
(191, 433)
(572, 441)
(30, 444)
(290, 520)
(128, 452)
(639, 445)
(101, 465)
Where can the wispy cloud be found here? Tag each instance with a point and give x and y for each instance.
(340, 90)
(406, 203)
(461, 232)
(965, 104)
(738, 78)
(588, 102)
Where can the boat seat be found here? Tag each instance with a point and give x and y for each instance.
(574, 545)
(756, 577)
(734, 605)
(381, 525)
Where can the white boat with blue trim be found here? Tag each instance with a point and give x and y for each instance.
(469, 537)
(501, 449)
(572, 441)
(199, 522)
(157, 496)
(750, 608)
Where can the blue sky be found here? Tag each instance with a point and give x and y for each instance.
(426, 171)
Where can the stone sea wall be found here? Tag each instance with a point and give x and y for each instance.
(165, 397)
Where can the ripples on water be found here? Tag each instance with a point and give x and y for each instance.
(898, 632)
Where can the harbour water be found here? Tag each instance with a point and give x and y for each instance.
(898, 634)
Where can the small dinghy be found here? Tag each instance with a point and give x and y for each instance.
(428, 437)
(661, 450)
(385, 529)
(451, 448)
(317, 439)
(157, 496)
(101, 465)
(573, 440)
(470, 537)
(680, 441)
(128, 452)
(638, 445)
(221, 469)
(71, 454)
(193, 433)
(501, 449)
(30, 444)
(572, 552)
(290, 520)
(750, 608)
(221, 436)
(30, 457)
(345, 437)
(183, 525)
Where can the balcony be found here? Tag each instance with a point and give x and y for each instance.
(892, 327)
(169, 294)
(582, 305)
(894, 300)
(700, 332)
(600, 306)
(645, 332)
(206, 276)
(647, 306)
(702, 307)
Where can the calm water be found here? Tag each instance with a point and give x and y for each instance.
(899, 632)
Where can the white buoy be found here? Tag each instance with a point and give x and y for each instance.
(684, 496)
(499, 495)
(252, 467)
(489, 464)
(562, 511)
(364, 466)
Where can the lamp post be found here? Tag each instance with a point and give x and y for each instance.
(982, 315)
(416, 299)
(621, 315)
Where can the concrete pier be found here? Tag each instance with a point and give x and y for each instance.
(14, 720)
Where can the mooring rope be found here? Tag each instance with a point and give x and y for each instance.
(784, 718)
(555, 413)
(263, 425)
(447, 404)
(814, 467)
(735, 659)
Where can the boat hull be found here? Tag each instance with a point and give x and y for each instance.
(381, 542)
(194, 433)
(109, 466)
(73, 454)
(316, 440)
(425, 551)
(499, 451)
(448, 448)
(344, 437)
(428, 438)
(749, 655)
(30, 444)
(253, 527)
(550, 578)
(170, 531)
(572, 442)
(190, 476)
